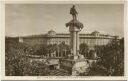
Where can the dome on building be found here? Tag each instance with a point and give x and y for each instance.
(51, 32)
(95, 33)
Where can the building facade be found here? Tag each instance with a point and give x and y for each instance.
(92, 39)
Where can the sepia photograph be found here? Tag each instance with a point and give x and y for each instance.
(64, 39)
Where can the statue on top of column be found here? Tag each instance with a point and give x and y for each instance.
(74, 22)
(73, 12)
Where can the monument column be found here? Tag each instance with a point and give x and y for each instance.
(74, 43)
(74, 27)
(77, 42)
(71, 40)
(73, 61)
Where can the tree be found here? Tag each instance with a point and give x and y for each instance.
(17, 62)
(84, 49)
(15, 58)
(64, 48)
(40, 49)
(112, 57)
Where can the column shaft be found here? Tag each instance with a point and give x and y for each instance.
(77, 41)
(74, 42)
(71, 40)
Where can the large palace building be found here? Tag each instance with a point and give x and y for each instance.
(92, 39)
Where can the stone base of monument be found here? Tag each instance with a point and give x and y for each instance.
(75, 66)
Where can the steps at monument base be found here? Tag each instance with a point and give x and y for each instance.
(59, 72)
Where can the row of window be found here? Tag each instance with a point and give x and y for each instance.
(67, 41)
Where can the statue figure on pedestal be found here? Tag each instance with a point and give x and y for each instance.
(74, 22)
(73, 12)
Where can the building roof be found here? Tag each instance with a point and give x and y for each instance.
(53, 34)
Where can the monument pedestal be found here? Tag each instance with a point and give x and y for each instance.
(74, 66)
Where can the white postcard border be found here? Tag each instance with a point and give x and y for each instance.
(2, 20)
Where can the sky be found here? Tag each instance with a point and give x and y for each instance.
(33, 19)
